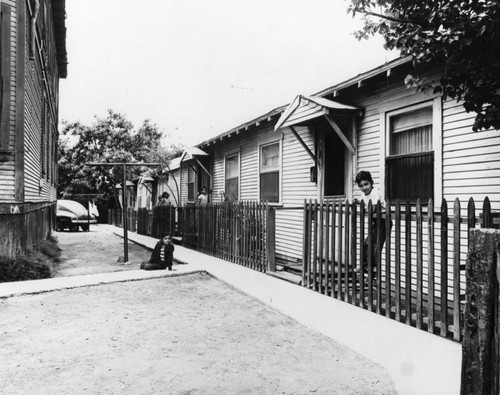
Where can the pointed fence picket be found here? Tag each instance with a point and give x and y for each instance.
(242, 232)
(414, 258)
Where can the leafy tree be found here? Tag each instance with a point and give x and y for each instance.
(109, 139)
(461, 36)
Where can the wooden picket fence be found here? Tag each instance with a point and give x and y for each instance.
(415, 277)
(236, 232)
(115, 217)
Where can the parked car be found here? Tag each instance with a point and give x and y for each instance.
(71, 215)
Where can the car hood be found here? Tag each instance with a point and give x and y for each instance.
(67, 213)
(71, 207)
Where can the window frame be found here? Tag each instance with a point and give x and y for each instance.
(238, 161)
(279, 170)
(409, 104)
(191, 170)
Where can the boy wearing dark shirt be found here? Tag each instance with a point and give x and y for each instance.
(162, 255)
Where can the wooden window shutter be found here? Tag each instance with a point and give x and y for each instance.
(5, 24)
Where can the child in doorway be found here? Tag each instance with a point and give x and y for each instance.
(370, 193)
(203, 197)
(162, 255)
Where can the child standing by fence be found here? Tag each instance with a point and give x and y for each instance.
(370, 193)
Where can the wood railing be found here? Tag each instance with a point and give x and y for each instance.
(237, 232)
(416, 276)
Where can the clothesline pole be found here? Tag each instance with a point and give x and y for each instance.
(124, 214)
(124, 198)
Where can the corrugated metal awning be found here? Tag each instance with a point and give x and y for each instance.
(304, 108)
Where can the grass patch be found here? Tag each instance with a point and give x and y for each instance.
(37, 263)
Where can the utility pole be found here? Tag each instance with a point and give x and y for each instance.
(124, 197)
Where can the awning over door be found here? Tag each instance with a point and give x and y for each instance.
(192, 153)
(304, 108)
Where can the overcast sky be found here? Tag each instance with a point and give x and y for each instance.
(198, 68)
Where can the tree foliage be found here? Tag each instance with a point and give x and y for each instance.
(461, 36)
(107, 140)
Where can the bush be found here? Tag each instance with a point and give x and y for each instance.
(35, 264)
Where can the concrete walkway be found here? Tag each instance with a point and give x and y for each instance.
(418, 362)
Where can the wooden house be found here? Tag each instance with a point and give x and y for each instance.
(170, 181)
(33, 59)
(416, 146)
(145, 189)
(185, 176)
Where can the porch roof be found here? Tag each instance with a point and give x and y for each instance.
(173, 164)
(304, 108)
(191, 152)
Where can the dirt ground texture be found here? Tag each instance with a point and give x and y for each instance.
(96, 251)
(179, 335)
(190, 334)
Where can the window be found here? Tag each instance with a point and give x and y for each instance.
(4, 78)
(232, 176)
(270, 172)
(191, 179)
(410, 163)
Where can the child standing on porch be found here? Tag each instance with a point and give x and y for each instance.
(370, 193)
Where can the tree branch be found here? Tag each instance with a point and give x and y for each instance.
(389, 18)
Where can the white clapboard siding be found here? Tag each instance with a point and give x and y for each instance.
(296, 186)
(471, 166)
(247, 145)
(32, 130)
(174, 185)
(7, 169)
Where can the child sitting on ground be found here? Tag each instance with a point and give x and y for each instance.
(162, 255)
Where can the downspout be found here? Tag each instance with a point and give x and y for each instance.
(34, 18)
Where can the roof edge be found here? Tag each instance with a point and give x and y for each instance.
(325, 92)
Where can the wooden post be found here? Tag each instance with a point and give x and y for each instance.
(124, 213)
(320, 246)
(305, 244)
(431, 278)
(339, 251)
(328, 285)
(387, 259)
(271, 238)
(333, 254)
(480, 348)
(408, 287)
(397, 259)
(456, 270)
(346, 252)
(444, 269)
(419, 303)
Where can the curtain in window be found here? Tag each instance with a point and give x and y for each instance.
(410, 164)
(412, 140)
